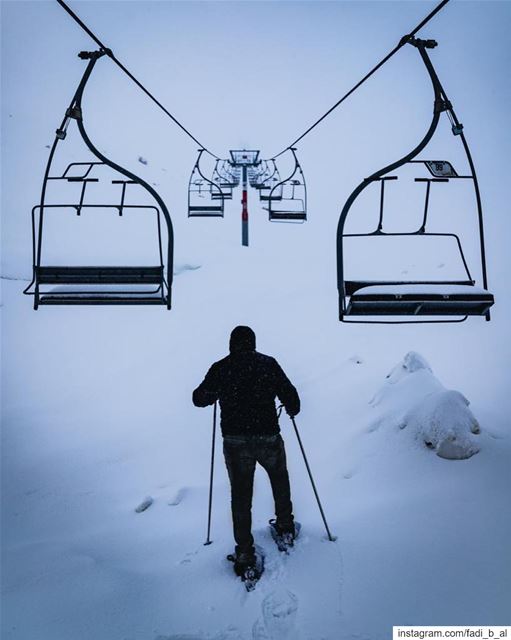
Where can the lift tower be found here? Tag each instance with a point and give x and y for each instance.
(244, 159)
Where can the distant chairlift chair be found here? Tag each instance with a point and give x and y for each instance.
(448, 298)
(205, 197)
(287, 200)
(258, 176)
(223, 179)
(270, 180)
(93, 285)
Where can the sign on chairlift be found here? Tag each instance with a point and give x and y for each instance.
(441, 168)
(243, 157)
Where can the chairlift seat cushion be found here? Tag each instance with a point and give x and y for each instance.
(71, 275)
(418, 299)
(201, 213)
(205, 211)
(288, 215)
(98, 298)
(101, 285)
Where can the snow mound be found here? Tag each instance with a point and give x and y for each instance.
(416, 402)
(412, 379)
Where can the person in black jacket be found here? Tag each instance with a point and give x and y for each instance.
(246, 384)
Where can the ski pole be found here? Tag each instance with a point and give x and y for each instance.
(208, 541)
(330, 537)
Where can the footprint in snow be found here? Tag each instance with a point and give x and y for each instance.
(180, 636)
(373, 426)
(279, 610)
(144, 505)
(178, 497)
(188, 558)
(181, 268)
(232, 633)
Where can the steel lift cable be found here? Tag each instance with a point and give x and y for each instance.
(112, 56)
(404, 40)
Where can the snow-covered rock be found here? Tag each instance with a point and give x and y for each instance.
(416, 402)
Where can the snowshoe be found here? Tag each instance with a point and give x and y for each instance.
(284, 539)
(248, 569)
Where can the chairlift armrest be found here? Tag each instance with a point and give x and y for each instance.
(384, 178)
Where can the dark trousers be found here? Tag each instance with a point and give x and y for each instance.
(241, 454)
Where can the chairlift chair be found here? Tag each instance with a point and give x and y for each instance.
(92, 284)
(227, 178)
(454, 299)
(223, 182)
(271, 180)
(287, 200)
(257, 178)
(205, 197)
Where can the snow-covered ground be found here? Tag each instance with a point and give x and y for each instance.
(96, 401)
(98, 417)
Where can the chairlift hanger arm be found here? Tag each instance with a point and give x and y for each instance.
(457, 129)
(128, 174)
(421, 46)
(211, 185)
(73, 111)
(296, 168)
(123, 68)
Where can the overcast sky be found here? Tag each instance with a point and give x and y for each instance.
(253, 74)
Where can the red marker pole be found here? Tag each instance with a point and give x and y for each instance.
(244, 210)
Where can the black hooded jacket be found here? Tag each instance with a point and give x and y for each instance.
(246, 383)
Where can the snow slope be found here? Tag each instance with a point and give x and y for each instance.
(98, 416)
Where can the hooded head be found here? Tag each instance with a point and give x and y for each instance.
(242, 339)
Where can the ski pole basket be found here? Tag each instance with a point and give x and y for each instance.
(403, 300)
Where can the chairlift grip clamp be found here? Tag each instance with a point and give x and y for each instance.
(418, 42)
(442, 105)
(74, 112)
(95, 55)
